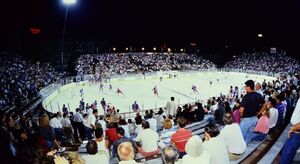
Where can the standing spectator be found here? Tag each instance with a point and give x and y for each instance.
(131, 127)
(171, 107)
(258, 89)
(91, 121)
(180, 138)
(103, 104)
(196, 152)
(215, 144)
(79, 127)
(64, 109)
(147, 140)
(47, 132)
(153, 123)
(250, 106)
(67, 127)
(102, 143)
(135, 107)
(292, 144)
(55, 123)
(233, 136)
(6, 150)
(111, 133)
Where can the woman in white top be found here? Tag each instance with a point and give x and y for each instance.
(195, 152)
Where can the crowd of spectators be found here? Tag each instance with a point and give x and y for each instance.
(264, 61)
(21, 79)
(240, 117)
(122, 63)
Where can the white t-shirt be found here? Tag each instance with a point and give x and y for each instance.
(204, 158)
(91, 120)
(152, 123)
(148, 139)
(66, 123)
(234, 138)
(55, 123)
(97, 158)
(138, 128)
(126, 130)
(171, 108)
(217, 148)
(273, 117)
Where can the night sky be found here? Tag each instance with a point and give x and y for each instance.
(210, 24)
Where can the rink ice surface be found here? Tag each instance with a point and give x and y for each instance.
(141, 91)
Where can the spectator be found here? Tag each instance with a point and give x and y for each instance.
(166, 134)
(258, 89)
(111, 133)
(171, 107)
(215, 144)
(250, 106)
(126, 153)
(67, 127)
(233, 136)
(123, 124)
(93, 156)
(47, 133)
(79, 127)
(91, 121)
(131, 127)
(147, 141)
(292, 144)
(121, 138)
(180, 138)
(271, 104)
(55, 123)
(281, 109)
(196, 152)
(169, 155)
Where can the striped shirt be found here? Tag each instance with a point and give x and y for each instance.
(295, 119)
(281, 108)
(180, 138)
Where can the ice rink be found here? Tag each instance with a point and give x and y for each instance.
(140, 90)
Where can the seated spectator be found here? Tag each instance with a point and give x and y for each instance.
(166, 134)
(215, 144)
(281, 109)
(123, 124)
(169, 155)
(131, 127)
(159, 119)
(138, 124)
(121, 138)
(102, 143)
(153, 123)
(233, 136)
(273, 114)
(180, 138)
(147, 140)
(236, 115)
(262, 127)
(93, 156)
(126, 153)
(196, 152)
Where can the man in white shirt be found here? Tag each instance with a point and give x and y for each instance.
(56, 125)
(147, 140)
(215, 145)
(153, 123)
(258, 89)
(79, 127)
(273, 113)
(171, 107)
(93, 156)
(67, 127)
(91, 121)
(233, 136)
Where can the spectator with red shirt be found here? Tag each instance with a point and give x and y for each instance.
(111, 133)
(180, 138)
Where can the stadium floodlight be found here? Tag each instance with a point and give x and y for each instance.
(181, 49)
(169, 49)
(260, 35)
(143, 48)
(154, 48)
(114, 49)
(69, 2)
(126, 48)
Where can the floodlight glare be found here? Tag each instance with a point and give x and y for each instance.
(260, 35)
(143, 48)
(154, 48)
(69, 2)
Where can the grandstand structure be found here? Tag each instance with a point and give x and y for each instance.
(30, 90)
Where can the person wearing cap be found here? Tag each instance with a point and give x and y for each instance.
(250, 107)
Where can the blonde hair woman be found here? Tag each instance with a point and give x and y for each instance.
(47, 132)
